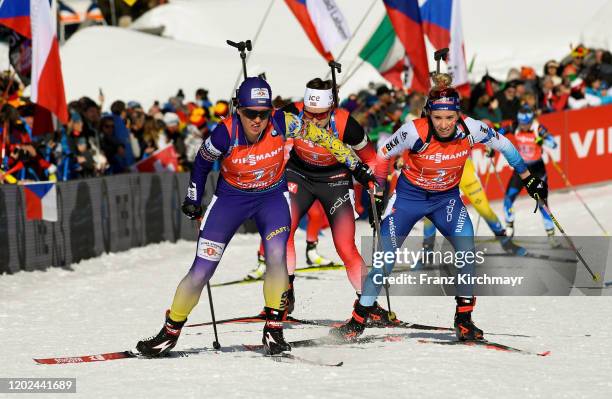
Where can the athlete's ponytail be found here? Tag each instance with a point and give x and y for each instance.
(442, 96)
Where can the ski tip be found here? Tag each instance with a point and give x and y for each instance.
(544, 353)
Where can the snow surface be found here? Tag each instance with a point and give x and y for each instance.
(108, 303)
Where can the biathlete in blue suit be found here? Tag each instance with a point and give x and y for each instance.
(439, 146)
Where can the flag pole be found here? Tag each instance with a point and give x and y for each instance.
(363, 60)
(113, 12)
(352, 36)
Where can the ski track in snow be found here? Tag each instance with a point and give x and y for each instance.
(108, 303)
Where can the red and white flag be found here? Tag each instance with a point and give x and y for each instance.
(323, 23)
(163, 160)
(33, 19)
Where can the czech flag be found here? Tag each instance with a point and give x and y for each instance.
(32, 19)
(41, 201)
(16, 15)
(406, 19)
(442, 25)
(323, 23)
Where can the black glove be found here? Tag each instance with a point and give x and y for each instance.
(379, 202)
(363, 174)
(192, 211)
(490, 152)
(537, 189)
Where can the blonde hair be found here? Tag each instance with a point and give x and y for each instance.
(441, 81)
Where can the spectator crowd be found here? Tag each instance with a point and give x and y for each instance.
(95, 143)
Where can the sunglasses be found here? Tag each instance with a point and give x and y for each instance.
(319, 116)
(108, 126)
(253, 114)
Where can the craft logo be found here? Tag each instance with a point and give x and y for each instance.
(277, 232)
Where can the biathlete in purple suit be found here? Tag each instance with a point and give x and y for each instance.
(252, 184)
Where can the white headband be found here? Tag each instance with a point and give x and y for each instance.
(318, 98)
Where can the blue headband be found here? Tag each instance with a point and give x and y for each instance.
(445, 104)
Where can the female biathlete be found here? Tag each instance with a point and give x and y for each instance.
(530, 136)
(252, 184)
(439, 146)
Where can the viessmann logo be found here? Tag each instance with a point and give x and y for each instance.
(599, 138)
(254, 158)
(438, 157)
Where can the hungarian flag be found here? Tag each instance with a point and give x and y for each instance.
(405, 17)
(32, 19)
(442, 25)
(41, 201)
(385, 52)
(323, 23)
(163, 160)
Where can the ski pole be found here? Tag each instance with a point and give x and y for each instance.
(595, 276)
(571, 187)
(376, 243)
(335, 66)
(216, 343)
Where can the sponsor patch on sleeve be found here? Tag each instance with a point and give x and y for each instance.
(209, 152)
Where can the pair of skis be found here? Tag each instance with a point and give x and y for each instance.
(288, 357)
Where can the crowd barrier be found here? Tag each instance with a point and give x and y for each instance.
(95, 216)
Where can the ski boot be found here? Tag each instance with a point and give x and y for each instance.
(381, 317)
(163, 342)
(273, 340)
(259, 271)
(552, 240)
(465, 329)
(509, 246)
(353, 328)
(312, 256)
